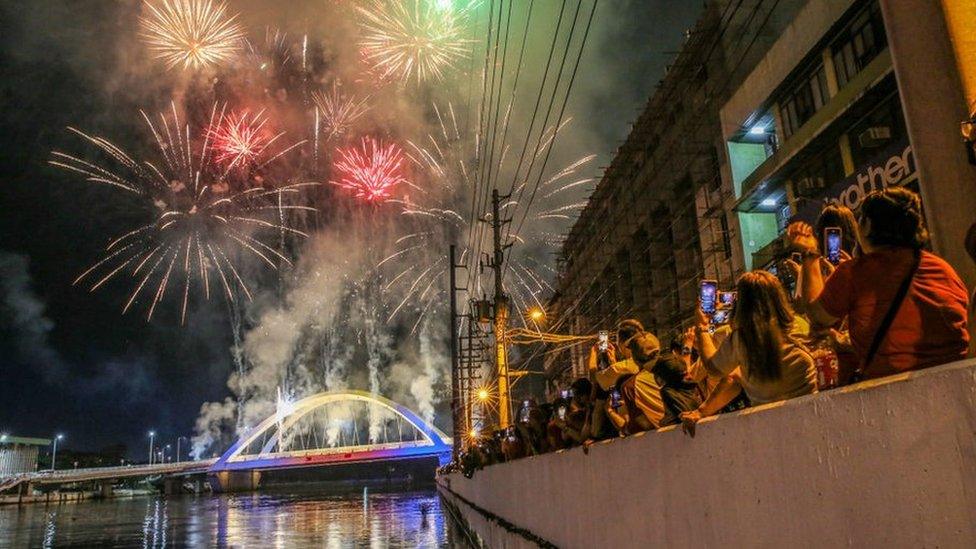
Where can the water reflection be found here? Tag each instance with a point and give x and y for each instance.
(358, 519)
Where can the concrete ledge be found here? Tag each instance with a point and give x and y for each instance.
(889, 462)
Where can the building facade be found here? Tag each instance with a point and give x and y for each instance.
(771, 109)
(18, 455)
(830, 114)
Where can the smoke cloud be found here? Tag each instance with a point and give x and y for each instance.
(23, 318)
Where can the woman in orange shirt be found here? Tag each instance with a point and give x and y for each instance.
(907, 308)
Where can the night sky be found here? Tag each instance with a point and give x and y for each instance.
(69, 360)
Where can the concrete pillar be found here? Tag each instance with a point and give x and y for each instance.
(172, 486)
(235, 481)
(961, 20)
(105, 490)
(934, 104)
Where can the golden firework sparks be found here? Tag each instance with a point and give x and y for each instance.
(191, 33)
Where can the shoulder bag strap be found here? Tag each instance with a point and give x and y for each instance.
(889, 317)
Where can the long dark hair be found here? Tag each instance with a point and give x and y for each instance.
(762, 317)
(896, 218)
(839, 216)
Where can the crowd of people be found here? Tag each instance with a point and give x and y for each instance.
(873, 303)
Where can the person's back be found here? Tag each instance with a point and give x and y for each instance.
(930, 326)
(798, 374)
(678, 395)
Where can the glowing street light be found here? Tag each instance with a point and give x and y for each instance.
(536, 314)
(152, 436)
(54, 453)
(483, 394)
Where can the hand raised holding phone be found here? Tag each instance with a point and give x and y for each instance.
(800, 237)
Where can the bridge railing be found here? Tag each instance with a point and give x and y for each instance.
(333, 450)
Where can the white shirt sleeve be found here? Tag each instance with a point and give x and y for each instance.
(726, 358)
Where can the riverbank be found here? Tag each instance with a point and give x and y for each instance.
(59, 498)
(888, 462)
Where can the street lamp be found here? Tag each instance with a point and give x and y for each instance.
(178, 439)
(54, 453)
(536, 314)
(164, 452)
(483, 394)
(152, 436)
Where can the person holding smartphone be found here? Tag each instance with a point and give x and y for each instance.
(574, 428)
(761, 351)
(643, 407)
(907, 308)
(621, 365)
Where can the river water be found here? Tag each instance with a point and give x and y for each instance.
(357, 519)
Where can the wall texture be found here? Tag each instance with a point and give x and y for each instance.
(885, 463)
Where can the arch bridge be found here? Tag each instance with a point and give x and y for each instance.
(325, 430)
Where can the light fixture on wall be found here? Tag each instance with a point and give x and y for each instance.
(968, 130)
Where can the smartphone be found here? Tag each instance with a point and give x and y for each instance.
(797, 258)
(603, 341)
(833, 238)
(615, 398)
(566, 394)
(727, 299)
(562, 412)
(721, 316)
(708, 296)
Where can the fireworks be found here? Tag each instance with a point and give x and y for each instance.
(338, 111)
(371, 170)
(444, 211)
(241, 138)
(274, 54)
(191, 33)
(413, 39)
(201, 219)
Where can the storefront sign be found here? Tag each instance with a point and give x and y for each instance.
(895, 166)
(895, 170)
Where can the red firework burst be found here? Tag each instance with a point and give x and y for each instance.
(240, 138)
(371, 170)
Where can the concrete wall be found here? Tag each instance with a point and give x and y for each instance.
(885, 463)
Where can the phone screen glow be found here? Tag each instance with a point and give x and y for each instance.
(708, 296)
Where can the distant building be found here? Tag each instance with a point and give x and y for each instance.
(19, 454)
(771, 108)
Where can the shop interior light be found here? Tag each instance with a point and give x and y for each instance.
(968, 128)
(757, 130)
(768, 202)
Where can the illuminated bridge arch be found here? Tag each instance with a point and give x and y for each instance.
(427, 440)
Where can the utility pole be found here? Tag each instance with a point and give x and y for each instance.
(501, 313)
(457, 405)
(472, 356)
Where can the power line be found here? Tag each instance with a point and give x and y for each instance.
(559, 120)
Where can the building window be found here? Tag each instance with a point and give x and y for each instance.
(859, 43)
(880, 128)
(726, 236)
(815, 175)
(803, 100)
